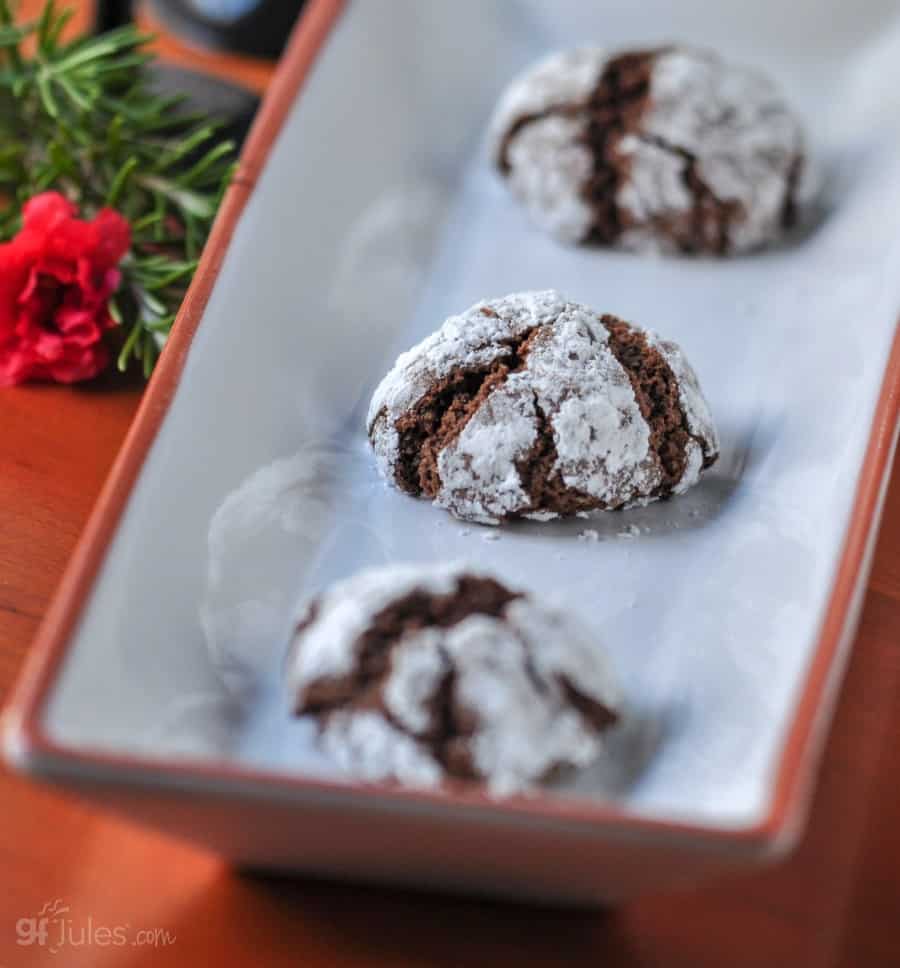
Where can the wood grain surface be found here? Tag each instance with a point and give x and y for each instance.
(834, 903)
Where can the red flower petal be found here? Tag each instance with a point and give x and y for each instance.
(45, 212)
(56, 278)
(114, 236)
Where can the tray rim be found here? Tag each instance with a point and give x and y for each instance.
(28, 747)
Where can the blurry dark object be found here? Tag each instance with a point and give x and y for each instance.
(257, 28)
(210, 96)
(206, 95)
(110, 14)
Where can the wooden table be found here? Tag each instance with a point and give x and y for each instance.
(835, 903)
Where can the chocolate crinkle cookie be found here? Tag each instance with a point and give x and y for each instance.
(669, 149)
(532, 406)
(419, 673)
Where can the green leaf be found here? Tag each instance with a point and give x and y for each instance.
(47, 98)
(146, 221)
(46, 179)
(118, 182)
(191, 203)
(80, 99)
(207, 162)
(11, 150)
(154, 305)
(186, 146)
(151, 263)
(115, 312)
(128, 346)
(192, 240)
(148, 359)
(114, 132)
(45, 24)
(126, 63)
(61, 159)
(108, 44)
(13, 36)
(139, 115)
(54, 31)
(74, 135)
(162, 325)
(9, 28)
(174, 276)
(159, 208)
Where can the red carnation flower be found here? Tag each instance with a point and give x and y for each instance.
(56, 277)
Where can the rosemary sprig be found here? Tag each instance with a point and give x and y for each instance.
(80, 117)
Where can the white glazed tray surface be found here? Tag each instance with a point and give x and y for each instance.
(377, 216)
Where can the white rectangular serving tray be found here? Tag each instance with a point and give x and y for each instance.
(726, 612)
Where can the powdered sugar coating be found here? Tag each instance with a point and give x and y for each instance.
(479, 477)
(325, 655)
(733, 121)
(548, 162)
(472, 336)
(509, 683)
(366, 745)
(559, 80)
(548, 167)
(570, 383)
(703, 122)
(693, 403)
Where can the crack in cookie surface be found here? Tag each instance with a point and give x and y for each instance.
(706, 226)
(423, 673)
(789, 208)
(522, 122)
(598, 714)
(454, 728)
(449, 725)
(614, 109)
(660, 149)
(441, 415)
(541, 479)
(548, 415)
(656, 391)
(611, 109)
